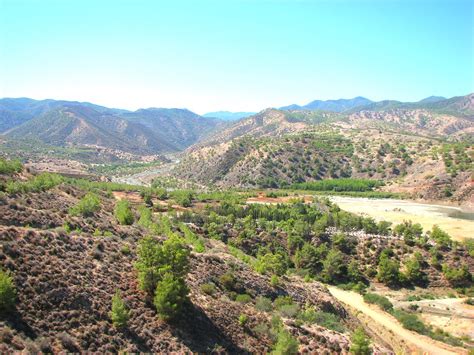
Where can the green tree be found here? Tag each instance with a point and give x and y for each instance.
(155, 260)
(7, 292)
(119, 313)
(388, 270)
(87, 205)
(286, 344)
(170, 295)
(124, 213)
(334, 268)
(441, 237)
(413, 272)
(360, 343)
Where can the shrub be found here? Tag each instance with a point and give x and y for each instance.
(360, 343)
(10, 166)
(324, 319)
(89, 204)
(123, 212)
(289, 310)
(208, 289)
(274, 280)
(41, 182)
(243, 319)
(170, 295)
(119, 313)
(381, 301)
(227, 280)
(411, 322)
(243, 298)
(263, 304)
(7, 292)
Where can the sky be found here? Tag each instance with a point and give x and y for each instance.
(236, 55)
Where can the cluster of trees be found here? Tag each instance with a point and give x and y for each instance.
(359, 185)
(41, 182)
(162, 268)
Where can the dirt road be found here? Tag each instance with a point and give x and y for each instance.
(417, 342)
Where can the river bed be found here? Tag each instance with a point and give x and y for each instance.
(455, 221)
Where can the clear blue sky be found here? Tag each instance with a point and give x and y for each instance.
(241, 55)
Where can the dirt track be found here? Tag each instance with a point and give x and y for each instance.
(417, 343)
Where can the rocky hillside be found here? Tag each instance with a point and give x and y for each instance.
(422, 152)
(76, 253)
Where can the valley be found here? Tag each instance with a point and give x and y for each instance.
(293, 230)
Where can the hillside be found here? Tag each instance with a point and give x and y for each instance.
(422, 152)
(241, 284)
(179, 127)
(81, 124)
(78, 125)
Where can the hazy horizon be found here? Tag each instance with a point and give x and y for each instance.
(240, 55)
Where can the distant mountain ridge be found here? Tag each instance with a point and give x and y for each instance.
(71, 123)
(228, 115)
(331, 105)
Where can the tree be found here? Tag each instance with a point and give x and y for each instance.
(155, 260)
(7, 292)
(413, 271)
(360, 343)
(388, 270)
(353, 271)
(334, 268)
(119, 313)
(441, 237)
(170, 295)
(286, 344)
(123, 212)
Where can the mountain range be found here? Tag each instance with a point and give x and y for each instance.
(160, 130)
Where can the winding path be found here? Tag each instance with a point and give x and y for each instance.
(418, 342)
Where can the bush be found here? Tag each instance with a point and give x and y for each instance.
(243, 319)
(244, 298)
(123, 212)
(286, 344)
(7, 292)
(170, 295)
(208, 289)
(441, 237)
(411, 322)
(89, 204)
(10, 166)
(119, 313)
(289, 310)
(360, 343)
(381, 301)
(324, 319)
(263, 304)
(227, 280)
